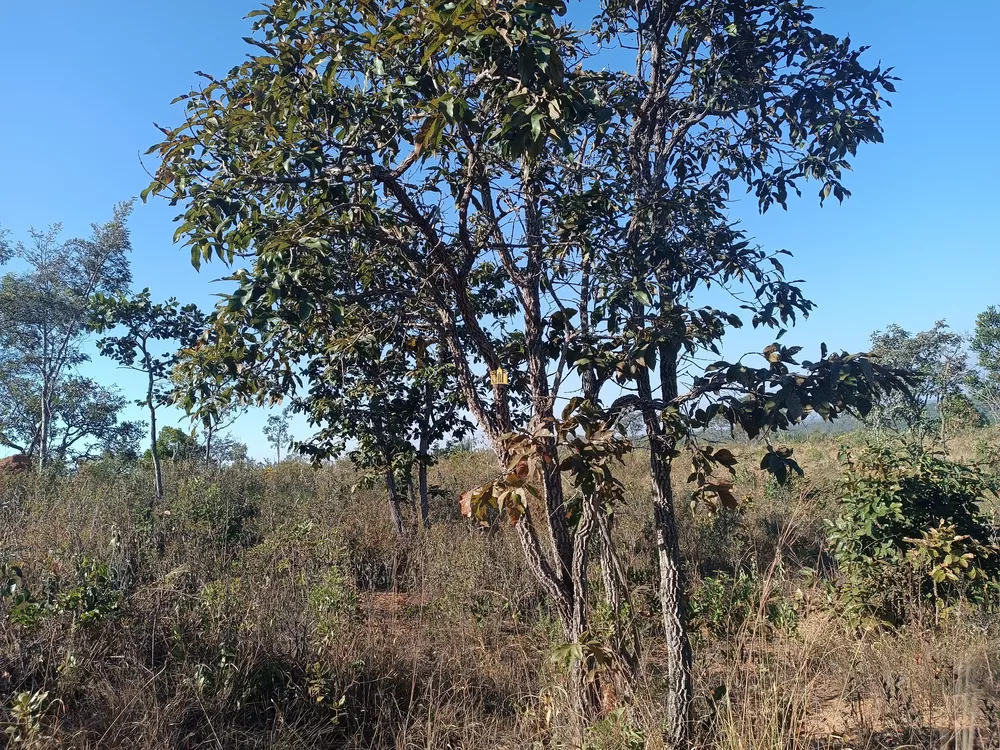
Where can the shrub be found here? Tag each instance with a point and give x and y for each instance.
(960, 413)
(911, 530)
(217, 507)
(89, 594)
(724, 605)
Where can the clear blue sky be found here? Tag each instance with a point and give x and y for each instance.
(82, 83)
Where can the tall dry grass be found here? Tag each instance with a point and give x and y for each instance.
(273, 607)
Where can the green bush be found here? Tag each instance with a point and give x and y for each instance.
(723, 605)
(911, 530)
(89, 594)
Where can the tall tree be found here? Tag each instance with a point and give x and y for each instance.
(536, 215)
(43, 316)
(149, 337)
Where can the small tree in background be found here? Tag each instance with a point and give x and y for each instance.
(277, 430)
(383, 385)
(937, 359)
(150, 336)
(84, 421)
(173, 444)
(217, 406)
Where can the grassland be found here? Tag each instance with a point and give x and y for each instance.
(273, 607)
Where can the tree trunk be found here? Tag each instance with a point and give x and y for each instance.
(626, 635)
(395, 512)
(671, 590)
(157, 470)
(209, 433)
(423, 454)
(425, 503)
(45, 427)
(586, 678)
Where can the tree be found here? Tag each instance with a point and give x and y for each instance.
(277, 430)
(536, 215)
(43, 319)
(383, 386)
(173, 444)
(937, 358)
(226, 449)
(985, 344)
(84, 420)
(150, 336)
(217, 404)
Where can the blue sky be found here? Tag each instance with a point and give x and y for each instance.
(82, 84)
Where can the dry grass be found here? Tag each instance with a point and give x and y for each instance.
(278, 610)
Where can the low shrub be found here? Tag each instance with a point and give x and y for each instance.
(911, 531)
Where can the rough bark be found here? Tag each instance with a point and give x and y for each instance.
(627, 646)
(671, 586)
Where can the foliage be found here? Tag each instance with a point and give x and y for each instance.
(588, 450)
(959, 412)
(43, 321)
(84, 421)
(725, 605)
(211, 513)
(26, 713)
(143, 326)
(911, 524)
(175, 444)
(89, 594)
(985, 341)
(936, 357)
(217, 405)
(985, 344)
